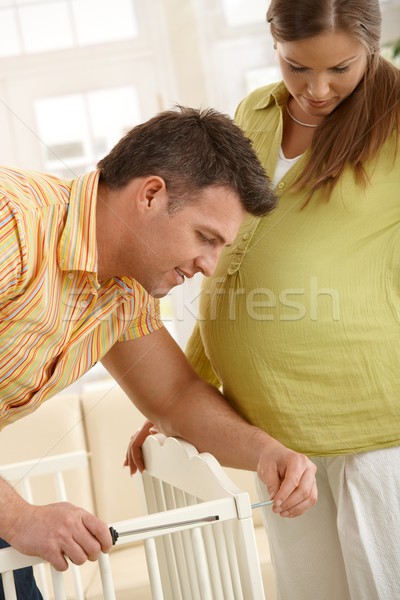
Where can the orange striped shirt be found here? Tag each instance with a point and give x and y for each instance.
(56, 320)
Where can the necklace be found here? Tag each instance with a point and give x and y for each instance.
(297, 121)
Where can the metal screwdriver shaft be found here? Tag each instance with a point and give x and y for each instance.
(116, 534)
(265, 503)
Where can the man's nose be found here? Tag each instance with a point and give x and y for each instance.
(206, 263)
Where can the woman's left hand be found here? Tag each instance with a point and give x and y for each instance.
(134, 456)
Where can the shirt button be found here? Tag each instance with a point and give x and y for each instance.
(70, 275)
(84, 303)
(281, 185)
(246, 236)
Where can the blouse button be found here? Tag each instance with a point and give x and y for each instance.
(281, 185)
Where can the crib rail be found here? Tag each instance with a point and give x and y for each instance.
(198, 533)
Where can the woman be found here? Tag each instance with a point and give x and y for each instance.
(301, 321)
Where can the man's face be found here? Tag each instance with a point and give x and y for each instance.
(171, 247)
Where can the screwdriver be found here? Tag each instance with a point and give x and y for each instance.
(117, 534)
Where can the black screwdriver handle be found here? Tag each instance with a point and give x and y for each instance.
(114, 535)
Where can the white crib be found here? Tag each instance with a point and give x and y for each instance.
(199, 535)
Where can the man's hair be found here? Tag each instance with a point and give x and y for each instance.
(191, 149)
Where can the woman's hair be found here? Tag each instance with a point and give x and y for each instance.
(356, 130)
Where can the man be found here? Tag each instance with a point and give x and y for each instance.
(82, 264)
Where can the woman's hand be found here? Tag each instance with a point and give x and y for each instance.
(134, 456)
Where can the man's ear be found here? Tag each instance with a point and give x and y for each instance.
(152, 193)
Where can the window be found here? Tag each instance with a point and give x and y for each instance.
(77, 130)
(29, 26)
(239, 13)
(255, 78)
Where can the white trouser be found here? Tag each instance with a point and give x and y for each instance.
(347, 546)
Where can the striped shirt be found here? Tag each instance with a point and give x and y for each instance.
(56, 320)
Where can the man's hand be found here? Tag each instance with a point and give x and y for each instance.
(56, 531)
(134, 456)
(290, 479)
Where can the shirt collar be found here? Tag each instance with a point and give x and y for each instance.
(77, 249)
(277, 93)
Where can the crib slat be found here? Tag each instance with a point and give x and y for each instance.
(9, 586)
(106, 577)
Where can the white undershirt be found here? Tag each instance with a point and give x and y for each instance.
(283, 165)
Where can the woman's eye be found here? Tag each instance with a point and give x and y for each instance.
(303, 69)
(341, 69)
(296, 69)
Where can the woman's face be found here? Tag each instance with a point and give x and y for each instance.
(320, 72)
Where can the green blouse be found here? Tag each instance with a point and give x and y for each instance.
(301, 321)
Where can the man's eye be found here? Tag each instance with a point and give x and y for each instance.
(206, 239)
